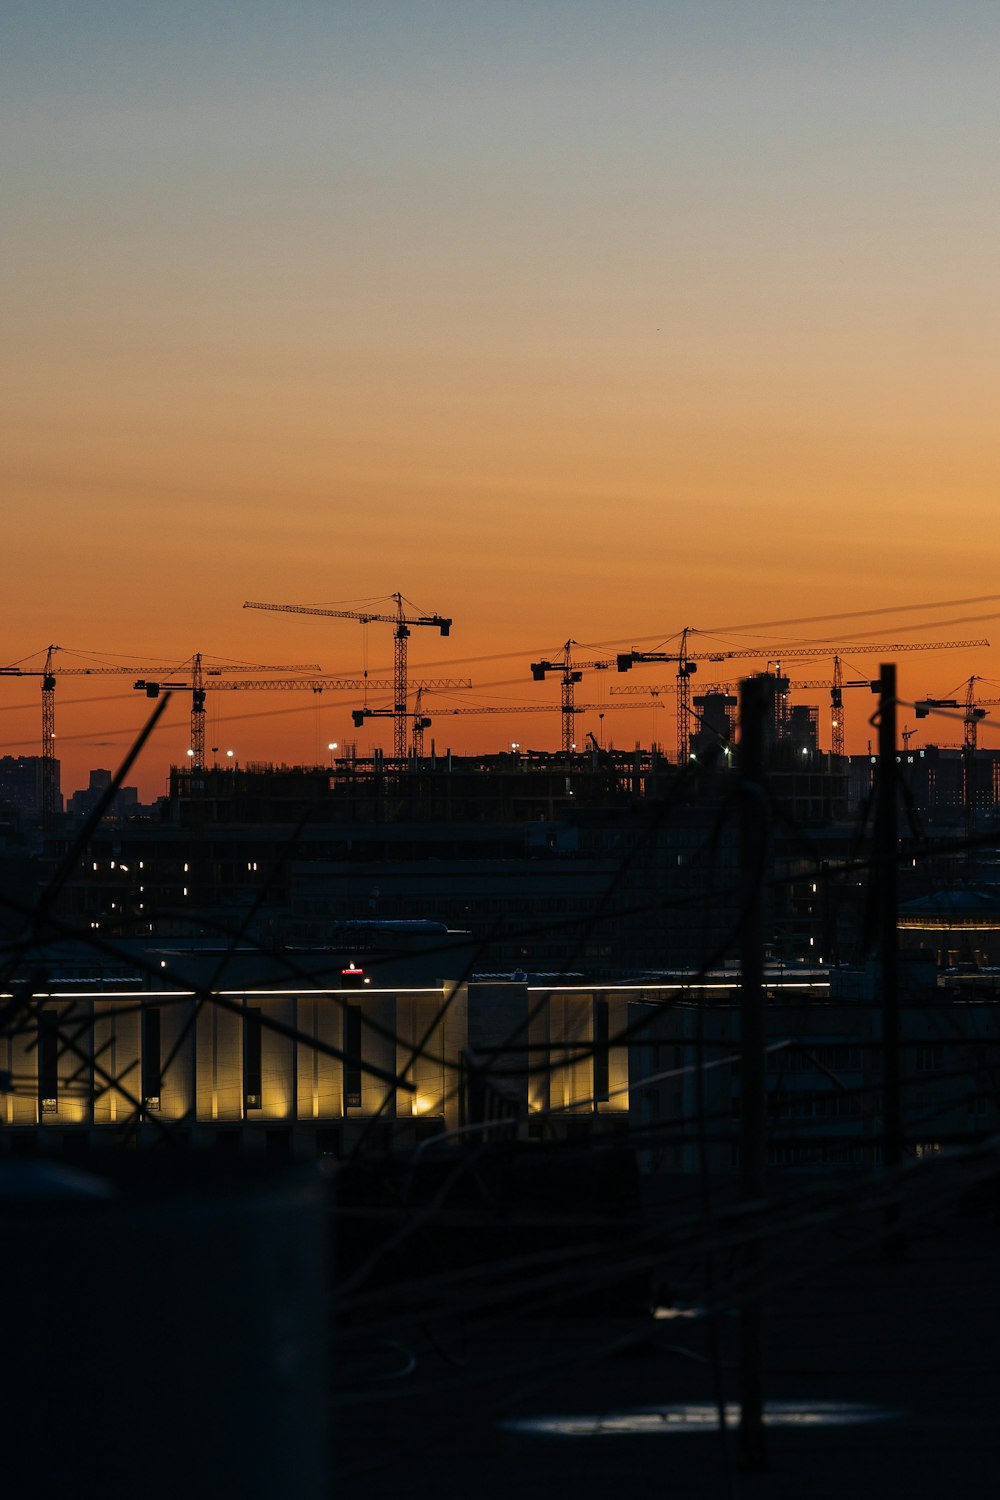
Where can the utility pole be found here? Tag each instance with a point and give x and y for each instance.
(49, 738)
(753, 1079)
(887, 875)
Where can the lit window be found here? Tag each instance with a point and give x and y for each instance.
(352, 1056)
(48, 1062)
(151, 1075)
(252, 1058)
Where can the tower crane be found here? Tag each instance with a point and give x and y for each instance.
(686, 667)
(572, 673)
(403, 624)
(420, 719)
(198, 692)
(198, 686)
(49, 674)
(317, 685)
(48, 782)
(973, 713)
(836, 687)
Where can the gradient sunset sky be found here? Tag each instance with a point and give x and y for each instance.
(565, 319)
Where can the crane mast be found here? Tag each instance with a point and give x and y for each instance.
(401, 637)
(974, 712)
(685, 668)
(837, 710)
(197, 713)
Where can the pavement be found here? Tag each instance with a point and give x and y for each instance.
(882, 1375)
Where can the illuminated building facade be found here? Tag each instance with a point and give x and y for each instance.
(311, 1067)
(386, 1059)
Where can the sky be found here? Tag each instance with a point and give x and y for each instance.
(565, 319)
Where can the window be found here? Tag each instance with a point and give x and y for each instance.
(252, 1080)
(601, 1079)
(48, 1062)
(151, 1057)
(352, 1056)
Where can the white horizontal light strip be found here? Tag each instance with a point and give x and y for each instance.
(707, 984)
(249, 991)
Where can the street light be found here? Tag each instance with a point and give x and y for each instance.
(332, 746)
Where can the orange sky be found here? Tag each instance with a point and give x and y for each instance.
(565, 321)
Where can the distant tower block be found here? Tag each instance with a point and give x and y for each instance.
(803, 728)
(716, 716)
(777, 706)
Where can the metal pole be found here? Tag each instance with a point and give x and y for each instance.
(887, 868)
(753, 1080)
